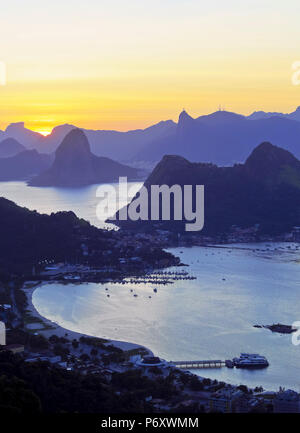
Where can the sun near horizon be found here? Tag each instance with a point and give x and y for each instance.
(127, 66)
(44, 132)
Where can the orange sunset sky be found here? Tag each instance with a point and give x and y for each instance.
(123, 65)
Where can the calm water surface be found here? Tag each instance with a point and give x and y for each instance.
(207, 318)
(83, 201)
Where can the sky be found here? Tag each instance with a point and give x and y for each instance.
(118, 64)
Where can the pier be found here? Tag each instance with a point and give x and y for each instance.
(216, 363)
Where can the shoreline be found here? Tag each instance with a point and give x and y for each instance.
(230, 378)
(53, 328)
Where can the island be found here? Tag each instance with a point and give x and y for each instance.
(278, 327)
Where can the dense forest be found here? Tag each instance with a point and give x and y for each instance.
(27, 236)
(40, 387)
(265, 191)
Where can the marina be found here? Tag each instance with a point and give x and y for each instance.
(212, 316)
(237, 286)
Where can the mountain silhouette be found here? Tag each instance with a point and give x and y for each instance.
(112, 144)
(223, 138)
(74, 165)
(24, 165)
(27, 237)
(268, 163)
(295, 115)
(10, 147)
(262, 192)
(28, 138)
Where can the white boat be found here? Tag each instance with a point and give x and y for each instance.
(250, 360)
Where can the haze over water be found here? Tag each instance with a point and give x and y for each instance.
(207, 318)
(82, 201)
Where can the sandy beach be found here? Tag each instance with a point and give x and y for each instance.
(47, 327)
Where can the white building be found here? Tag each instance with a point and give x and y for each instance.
(2, 334)
(224, 399)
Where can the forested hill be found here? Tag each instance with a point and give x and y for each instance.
(27, 236)
(264, 191)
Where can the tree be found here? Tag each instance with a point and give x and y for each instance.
(59, 350)
(195, 384)
(94, 352)
(84, 357)
(243, 388)
(75, 344)
(15, 395)
(39, 342)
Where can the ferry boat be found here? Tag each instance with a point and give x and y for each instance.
(250, 360)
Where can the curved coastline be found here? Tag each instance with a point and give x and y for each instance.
(53, 328)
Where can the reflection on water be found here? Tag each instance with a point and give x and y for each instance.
(82, 201)
(208, 318)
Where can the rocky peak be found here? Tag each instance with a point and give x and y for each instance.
(267, 160)
(184, 117)
(74, 145)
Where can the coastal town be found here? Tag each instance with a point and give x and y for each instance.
(236, 234)
(162, 386)
(126, 258)
(87, 254)
(128, 254)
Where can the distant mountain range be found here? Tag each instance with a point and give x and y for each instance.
(265, 191)
(25, 136)
(10, 147)
(75, 165)
(295, 115)
(224, 138)
(24, 165)
(113, 144)
(221, 137)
